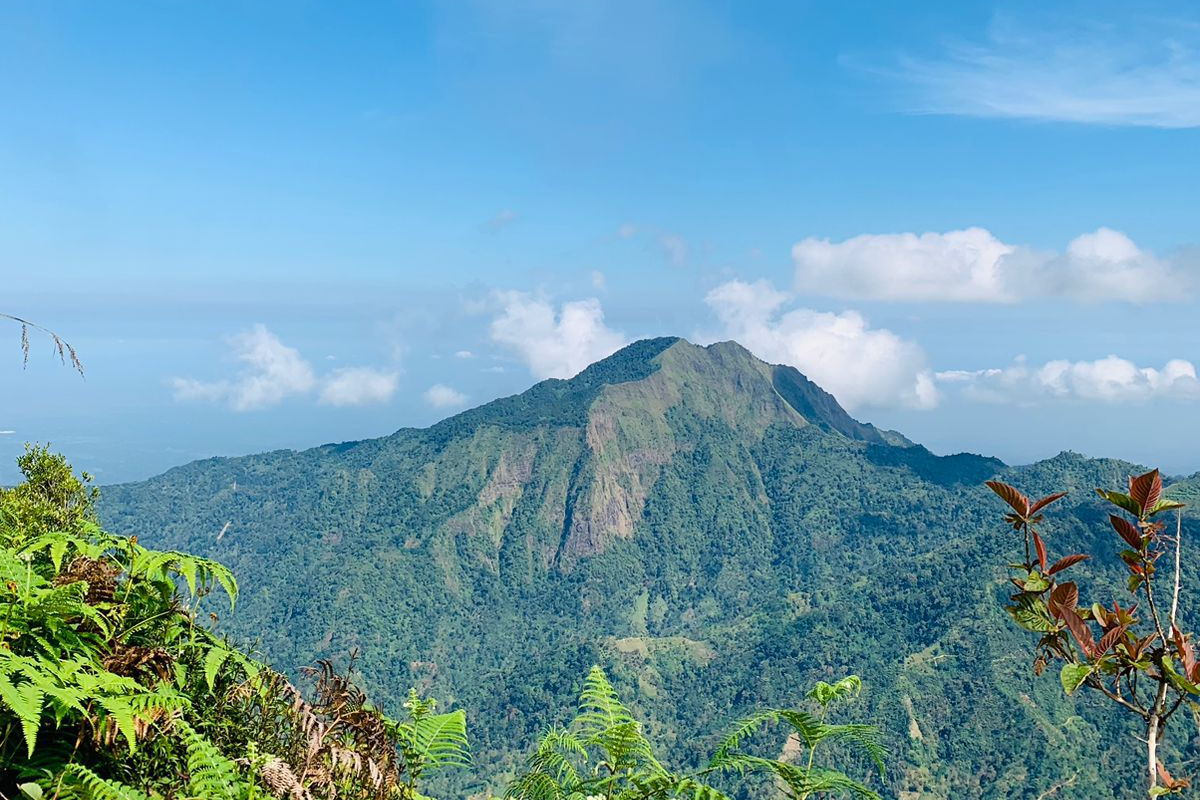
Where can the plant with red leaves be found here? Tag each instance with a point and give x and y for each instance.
(1129, 658)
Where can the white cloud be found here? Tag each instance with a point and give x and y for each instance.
(441, 396)
(859, 365)
(627, 230)
(8, 433)
(554, 344)
(272, 372)
(599, 281)
(972, 265)
(464, 354)
(358, 386)
(1108, 380)
(1123, 75)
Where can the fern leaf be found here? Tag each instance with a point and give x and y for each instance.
(98, 788)
(441, 740)
(213, 662)
(742, 729)
(211, 775)
(25, 700)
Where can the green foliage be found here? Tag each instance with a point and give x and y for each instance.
(1131, 661)
(50, 498)
(602, 753)
(111, 688)
(431, 741)
(808, 731)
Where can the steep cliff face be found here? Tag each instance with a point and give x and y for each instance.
(716, 530)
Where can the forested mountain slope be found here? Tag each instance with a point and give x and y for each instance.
(716, 530)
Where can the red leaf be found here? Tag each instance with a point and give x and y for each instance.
(1041, 550)
(1064, 597)
(1045, 501)
(1081, 632)
(1146, 490)
(1128, 531)
(1169, 782)
(1067, 561)
(1018, 501)
(1109, 639)
(1187, 654)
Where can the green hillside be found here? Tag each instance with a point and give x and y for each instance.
(715, 530)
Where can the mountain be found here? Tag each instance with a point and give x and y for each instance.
(718, 531)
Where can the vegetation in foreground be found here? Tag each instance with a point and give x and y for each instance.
(111, 687)
(1141, 662)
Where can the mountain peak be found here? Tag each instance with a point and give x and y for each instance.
(721, 379)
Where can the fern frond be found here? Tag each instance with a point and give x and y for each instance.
(599, 706)
(25, 701)
(826, 693)
(665, 786)
(439, 741)
(211, 775)
(864, 738)
(802, 781)
(97, 788)
(742, 730)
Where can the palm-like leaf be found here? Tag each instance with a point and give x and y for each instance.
(436, 741)
(803, 782)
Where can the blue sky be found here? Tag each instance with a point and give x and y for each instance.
(271, 225)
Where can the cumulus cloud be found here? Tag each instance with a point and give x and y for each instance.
(358, 386)
(1108, 380)
(972, 265)
(272, 371)
(441, 396)
(860, 365)
(554, 343)
(1125, 75)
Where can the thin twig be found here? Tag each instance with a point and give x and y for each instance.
(66, 352)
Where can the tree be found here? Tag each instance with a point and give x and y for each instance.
(1132, 661)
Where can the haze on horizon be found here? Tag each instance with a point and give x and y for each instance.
(278, 225)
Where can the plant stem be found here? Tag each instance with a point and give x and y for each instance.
(1152, 726)
(1178, 548)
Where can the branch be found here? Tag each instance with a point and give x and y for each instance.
(1095, 683)
(1167, 715)
(1178, 548)
(64, 349)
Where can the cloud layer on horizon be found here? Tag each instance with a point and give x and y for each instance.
(973, 266)
(1112, 380)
